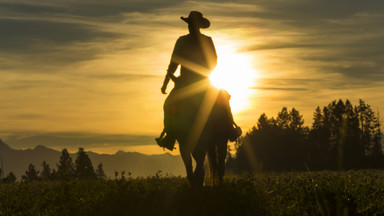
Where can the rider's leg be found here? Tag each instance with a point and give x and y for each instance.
(169, 124)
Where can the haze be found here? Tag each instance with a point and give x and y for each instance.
(86, 73)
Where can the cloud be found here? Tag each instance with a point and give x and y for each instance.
(18, 34)
(276, 45)
(62, 33)
(98, 66)
(37, 42)
(279, 89)
(124, 77)
(36, 8)
(336, 83)
(310, 10)
(84, 8)
(75, 140)
(344, 35)
(28, 116)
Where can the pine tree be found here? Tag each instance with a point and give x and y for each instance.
(318, 119)
(31, 174)
(11, 178)
(368, 122)
(65, 167)
(377, 145)
(84, 168)
(353, 149)
(263, 122)
(46, 172)
(283, 118)
(275, 144)
(100, 174)
(54, 175)
(296, 120)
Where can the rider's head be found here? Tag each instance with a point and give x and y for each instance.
(196, 21)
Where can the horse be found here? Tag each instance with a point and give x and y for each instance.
(202, 124)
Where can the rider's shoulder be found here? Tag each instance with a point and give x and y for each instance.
(189, 37)
(184, 37)
(205, 36)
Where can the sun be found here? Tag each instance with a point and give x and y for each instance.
(235, 74)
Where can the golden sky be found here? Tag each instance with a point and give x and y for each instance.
(86, 73)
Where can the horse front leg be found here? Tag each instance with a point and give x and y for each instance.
(187, 159)
(199, 173)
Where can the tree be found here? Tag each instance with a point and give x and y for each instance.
(377, 146)
(274, 144)
(31, 174)
(65, 167)
(368, 123)
(342, 136)
(376, 159)
(296, 120)
(318, 119)
(283, 118)
(46, 172)
(84, 168)
(100, 174)
(318, 140)
(11, 178)
(54, 175)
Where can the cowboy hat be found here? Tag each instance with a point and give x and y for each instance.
(196, 18)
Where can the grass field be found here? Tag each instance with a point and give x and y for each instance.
(295, 193)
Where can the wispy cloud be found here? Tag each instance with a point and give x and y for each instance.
(97, 67)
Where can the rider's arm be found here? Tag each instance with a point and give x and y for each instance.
(171, 70)
(172, 67)
(170, 75)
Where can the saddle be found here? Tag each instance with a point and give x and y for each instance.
(180, 114)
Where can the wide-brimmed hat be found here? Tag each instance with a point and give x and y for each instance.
(196, 18)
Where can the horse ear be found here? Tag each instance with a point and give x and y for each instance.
(223, 97)
(228, 95)
(223, 93)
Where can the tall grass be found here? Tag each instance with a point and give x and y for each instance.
(293, 193)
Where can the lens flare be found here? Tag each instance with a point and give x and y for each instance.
(235, 74)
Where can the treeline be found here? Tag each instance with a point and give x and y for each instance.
(81, 169)
(342, 136)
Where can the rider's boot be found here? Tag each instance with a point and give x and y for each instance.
(167, 142)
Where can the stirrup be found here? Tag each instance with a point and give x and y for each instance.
(166, 142)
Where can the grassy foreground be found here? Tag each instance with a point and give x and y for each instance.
(295, 193)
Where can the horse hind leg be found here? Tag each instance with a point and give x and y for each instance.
(213, 165)
(221, 154)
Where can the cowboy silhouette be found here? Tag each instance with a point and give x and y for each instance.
(196, 55)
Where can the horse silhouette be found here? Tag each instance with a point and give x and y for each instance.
(201, 122)
(196, 114)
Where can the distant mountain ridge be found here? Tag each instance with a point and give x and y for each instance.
(138, 164)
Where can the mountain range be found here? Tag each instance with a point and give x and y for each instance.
(17, 161)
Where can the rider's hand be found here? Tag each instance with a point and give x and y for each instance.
(163, 88)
